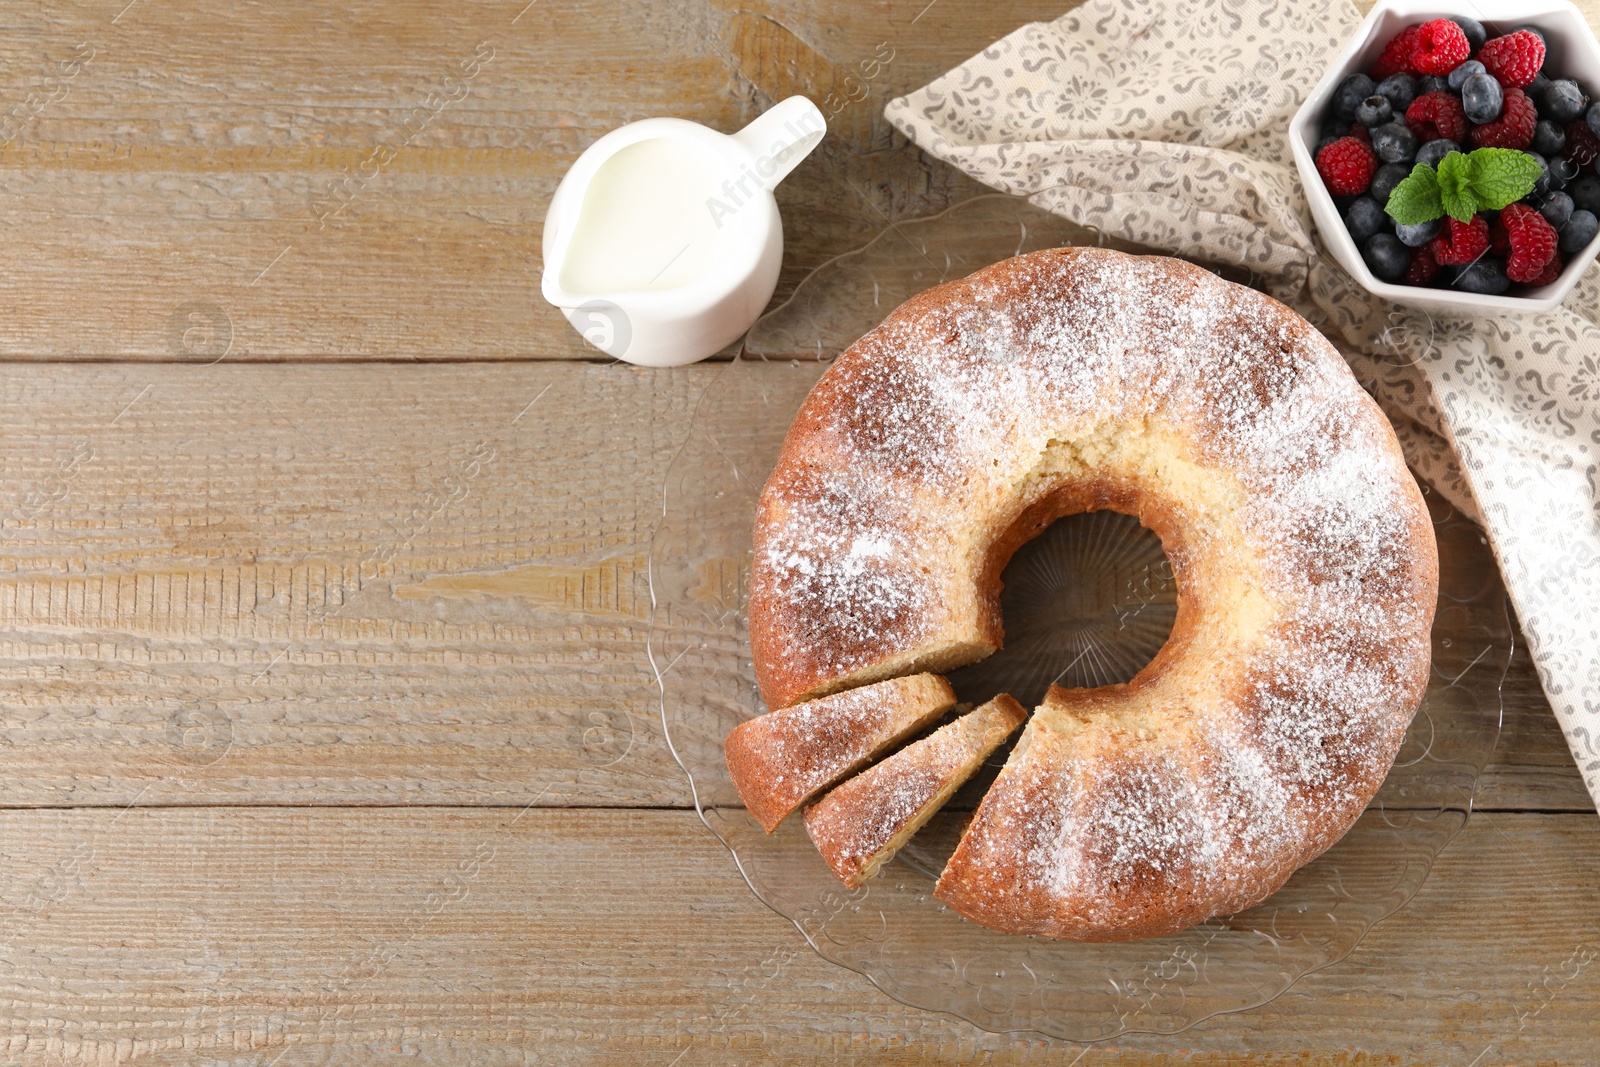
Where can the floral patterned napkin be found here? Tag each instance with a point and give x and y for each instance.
(1166, 122)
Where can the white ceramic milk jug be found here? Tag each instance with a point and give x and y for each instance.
(662, 243)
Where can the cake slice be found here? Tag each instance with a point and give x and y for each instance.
(862, 823)
(782, 759)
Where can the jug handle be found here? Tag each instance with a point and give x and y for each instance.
(782, 137)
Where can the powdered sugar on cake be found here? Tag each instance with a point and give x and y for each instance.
(1115, 369)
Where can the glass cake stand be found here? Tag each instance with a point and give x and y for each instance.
(1087, 603)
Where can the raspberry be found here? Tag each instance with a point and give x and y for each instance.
(1499, 236)
(1552, 271)
(1396, 57)
(1533, 242)
(1514, 128)
(1435, 115)
(1514, 59)
(1583, 147)
(1441, 47)
(1462, 243)
(1422, 268)
(1359, 131)
(1346, 167)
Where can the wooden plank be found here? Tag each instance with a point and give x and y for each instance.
(314, 584)
(180, 936)
(371, 584)
(204, 180)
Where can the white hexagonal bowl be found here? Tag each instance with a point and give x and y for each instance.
(1573, 53)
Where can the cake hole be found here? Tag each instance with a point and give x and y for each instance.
(1087, 603)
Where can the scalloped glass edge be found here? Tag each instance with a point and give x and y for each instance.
(933, 237)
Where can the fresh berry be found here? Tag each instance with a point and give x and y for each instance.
(1561, 172)
(1548, 138)
(1533, 242)
(1352, 91)
(1481, 98)
(1432, 152)
(1562, 101)
(1387, 257)
(1397, 54)
(1593, 118)
(1422, 268)
(1346, 167)
(1557, 209)
(1394, 143)
(1387, 177)
(1485, 276)
(1541, 185)
(1418, 235)
(1466, 70)
(1552, 271)
(1579, 231)
(1462, 242)
(1441, 47)
(1582, 144)
(1499, 236)
(1474, 30)
(1585, 192)
(1435, 115)
(1514, 127)
(1365, 219)
(1431, 83)
(1528, 27)
(1375, 110)
(1536, 86)
(1399, 90)
(1515, 58)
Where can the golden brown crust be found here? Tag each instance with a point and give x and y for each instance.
(1078, 379)
(863, 822)
(781, 759)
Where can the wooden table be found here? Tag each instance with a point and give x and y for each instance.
(322, 573)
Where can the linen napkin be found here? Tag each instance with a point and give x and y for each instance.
(1166, 122)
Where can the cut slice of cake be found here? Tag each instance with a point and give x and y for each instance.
(782, 759)
(862, 823)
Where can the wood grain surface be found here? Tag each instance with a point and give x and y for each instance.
(329, 730)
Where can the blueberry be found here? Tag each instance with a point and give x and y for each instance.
(1485, 275)
(1541, 187)
(1374, 111)
(1388, 176)
(1474, 30)
(1535, 87)
(1593, 118)
(1562, 171)
(1578, 232)
(1585, 192)
(1561, 100)
(1386, 256)
(1482, 98)
(1436, 150)
(1399, 90)
(1548, 138)
(1394, 143)
(1352, 91)
(1466, 70)
(1365, 219)
(1557, 209)
(1420, 234)
(1431, 83)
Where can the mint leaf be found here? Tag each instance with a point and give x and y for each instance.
(1502, 176)
(1457, 176)
(1416, 198)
